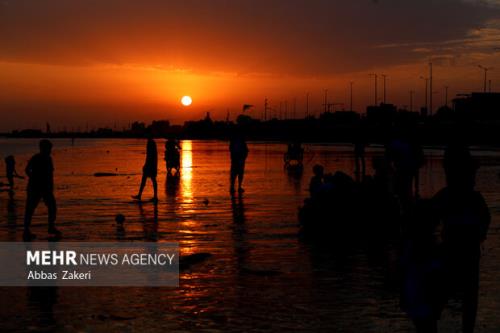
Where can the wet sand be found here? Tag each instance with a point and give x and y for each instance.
(260, 276)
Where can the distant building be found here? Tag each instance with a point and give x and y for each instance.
(478, 106)
(340, 117)
(405, 116)
(424, 112)
(383, 113)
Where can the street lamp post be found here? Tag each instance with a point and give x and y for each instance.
(375, 76)
(426, 79)
(485, 69)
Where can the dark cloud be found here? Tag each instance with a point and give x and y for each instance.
(297, 37)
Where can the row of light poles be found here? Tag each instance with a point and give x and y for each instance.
(486, 69)
(428, 91)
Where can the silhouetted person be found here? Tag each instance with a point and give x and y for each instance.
(465, 218)
(295, 152)
(359, 158)
(40, 171)
(172, 155)
(406, 156)
(239, 152)
(149, 170)
(422, 267)
(10, 171)
(316, 182)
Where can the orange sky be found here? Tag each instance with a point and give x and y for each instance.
(106, 63)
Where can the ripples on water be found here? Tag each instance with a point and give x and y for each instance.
(260, 276)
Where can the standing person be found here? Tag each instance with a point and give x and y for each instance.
(418, 160)
(172, 156)
(359, 159)
(149, 170)
(10, 170)
(239, 152)
(407, 157)
(465, 219)
(40, 171)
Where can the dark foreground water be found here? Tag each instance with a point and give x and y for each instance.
(260, 276)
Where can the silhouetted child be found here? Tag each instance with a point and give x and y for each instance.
(150, 169)
(316, 182)
(239, 151)
(465, 219)
(40, 171)
(10, 171)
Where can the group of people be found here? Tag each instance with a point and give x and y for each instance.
(443, 236)
(438, 268)
(238, 152)
(40, 172)
(434, 268)
(324, 185)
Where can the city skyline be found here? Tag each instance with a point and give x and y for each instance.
(74, 63)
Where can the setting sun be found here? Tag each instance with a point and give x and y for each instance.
(186, 100)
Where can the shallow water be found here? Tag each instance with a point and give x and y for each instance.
(260, 277)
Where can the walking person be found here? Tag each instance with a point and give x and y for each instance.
(40, 171)
(149, 170)
(239, 151)
(10, 171)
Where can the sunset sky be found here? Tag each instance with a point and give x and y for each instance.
(111, 62)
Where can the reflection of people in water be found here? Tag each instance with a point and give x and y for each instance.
(172, 155)
(149, 224)
(149, 170)
(465, 219)
(239, 151)
(239, 231)
(120, 228)
(11, 217)
(238, 210)
(40, 171)
(10, 171)
(44, 299)
(172, 184)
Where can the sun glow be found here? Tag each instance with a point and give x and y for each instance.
(187, 170)
(186, 100)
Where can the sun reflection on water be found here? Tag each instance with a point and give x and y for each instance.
(187, 170)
